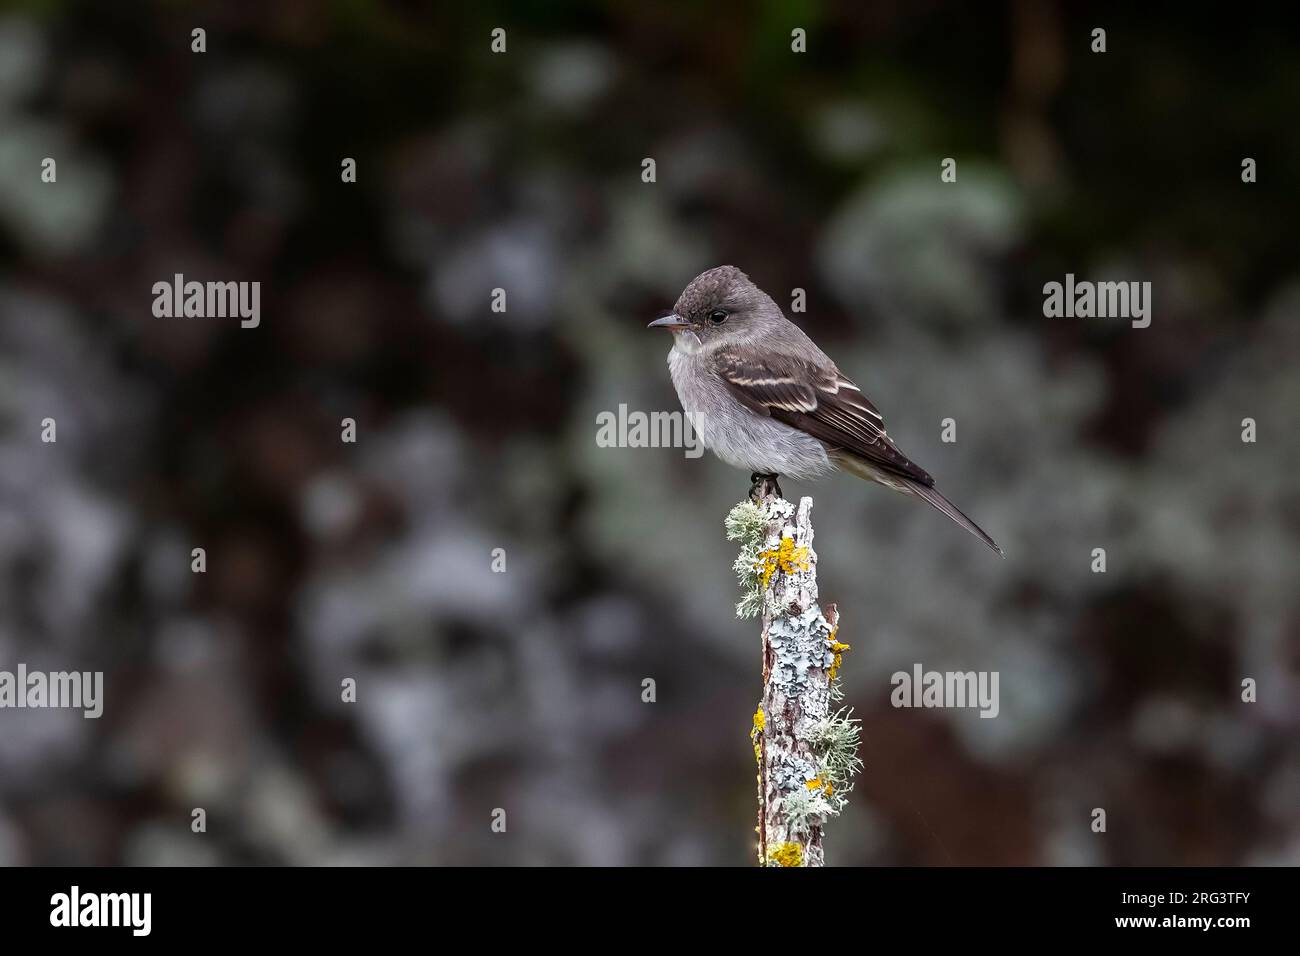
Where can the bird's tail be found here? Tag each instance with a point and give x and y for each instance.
(855, 464)
(933, 496)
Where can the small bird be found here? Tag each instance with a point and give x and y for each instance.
(764, 397)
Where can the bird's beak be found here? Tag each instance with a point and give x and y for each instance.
(669, 321)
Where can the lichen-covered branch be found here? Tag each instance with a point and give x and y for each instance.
(806, 753)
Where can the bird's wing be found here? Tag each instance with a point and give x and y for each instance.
(819, 400)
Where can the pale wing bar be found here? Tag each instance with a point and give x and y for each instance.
(821, 402)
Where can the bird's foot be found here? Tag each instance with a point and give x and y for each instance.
(763, 485)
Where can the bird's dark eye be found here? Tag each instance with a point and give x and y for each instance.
(717, 317)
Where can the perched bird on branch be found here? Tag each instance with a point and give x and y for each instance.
(764, 397)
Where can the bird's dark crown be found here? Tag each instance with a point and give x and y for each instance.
(716, 288)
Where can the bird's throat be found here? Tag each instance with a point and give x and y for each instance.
(687, 342)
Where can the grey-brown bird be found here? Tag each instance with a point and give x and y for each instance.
(764, 397)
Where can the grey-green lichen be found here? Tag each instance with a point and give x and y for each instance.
(814, 791)
(835, 741)
(747, 523)
(806, 808)
(790, 643)
(756, 565)
(790, 772)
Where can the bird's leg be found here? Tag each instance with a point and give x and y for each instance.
(763, 485)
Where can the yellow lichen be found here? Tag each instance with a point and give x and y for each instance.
(760, 724)
(760, 721)
(817, 784)
(787, 558)
(787, 854)
(838, 650)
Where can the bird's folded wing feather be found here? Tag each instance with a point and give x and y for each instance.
(818, 400)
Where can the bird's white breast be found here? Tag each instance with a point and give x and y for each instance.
(735, 433)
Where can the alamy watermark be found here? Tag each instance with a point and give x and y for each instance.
(1102, 300)
(922, 688)
(133, 911)
(83, 690)
(658, 429)
(179, 299)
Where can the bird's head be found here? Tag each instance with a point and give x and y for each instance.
(719, 306)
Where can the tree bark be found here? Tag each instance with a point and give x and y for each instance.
(800, 655)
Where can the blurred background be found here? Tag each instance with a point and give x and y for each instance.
(476, 430)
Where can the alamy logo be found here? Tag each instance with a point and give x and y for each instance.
(75, 908)
(209, 300)
(923, 688)
(1102, 300)
(26, 688)
(636, 429)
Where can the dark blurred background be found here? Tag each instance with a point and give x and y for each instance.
(476, 430)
